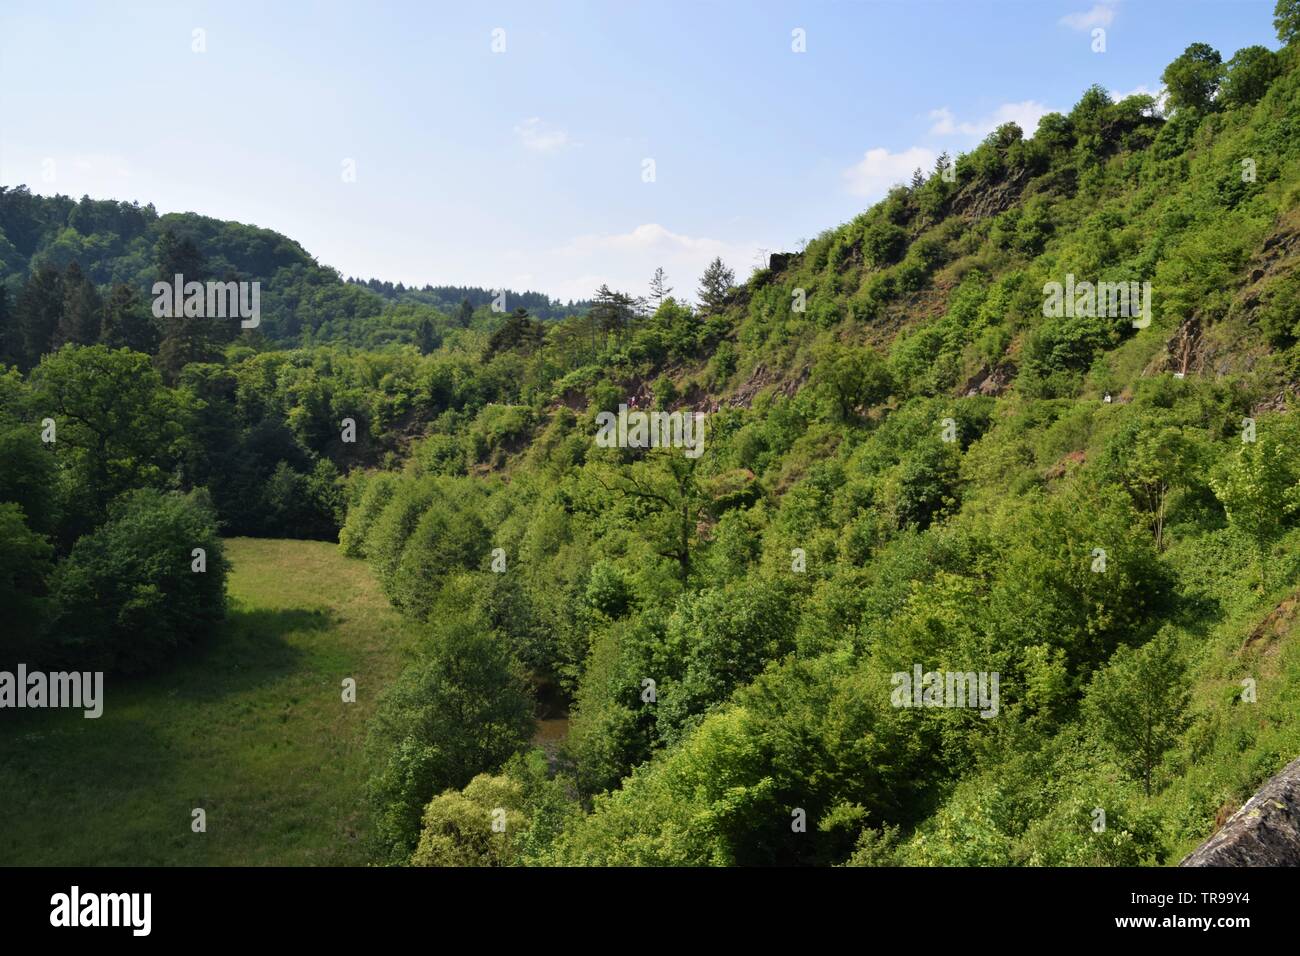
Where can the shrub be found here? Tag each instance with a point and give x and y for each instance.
(375, 496)
(461, 710)
(127, 596)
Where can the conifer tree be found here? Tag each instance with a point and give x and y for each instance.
(715, 282)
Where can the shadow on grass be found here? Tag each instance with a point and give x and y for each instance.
(118, 790)
(83, 793)
(251, 648)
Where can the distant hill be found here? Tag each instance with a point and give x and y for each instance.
(302, 302)
(447, 298)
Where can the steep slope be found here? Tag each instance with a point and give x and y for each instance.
(914, 463)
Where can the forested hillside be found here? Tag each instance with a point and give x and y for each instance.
(912, 463)
(58, 248)
(1111, 528)
(461, 301)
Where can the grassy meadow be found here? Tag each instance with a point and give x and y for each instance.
(250, 726)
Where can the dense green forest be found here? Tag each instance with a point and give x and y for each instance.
(908, 463)
(461, 301)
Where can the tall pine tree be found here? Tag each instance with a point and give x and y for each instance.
(82, 310)
(40, 307)
(127, 322)
(184, 340)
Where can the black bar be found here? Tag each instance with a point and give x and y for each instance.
(333, 905)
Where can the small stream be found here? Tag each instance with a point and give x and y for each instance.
(551, 732)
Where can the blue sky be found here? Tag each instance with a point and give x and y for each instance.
(524, 168)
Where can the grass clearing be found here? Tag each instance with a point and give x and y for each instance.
(250, 726)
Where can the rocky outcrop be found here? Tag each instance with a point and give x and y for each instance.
(780, 261)
(1265, 832)
(992, 381)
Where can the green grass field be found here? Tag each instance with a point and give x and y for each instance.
(250, 726)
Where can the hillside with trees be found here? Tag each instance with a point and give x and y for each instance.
(910, 462)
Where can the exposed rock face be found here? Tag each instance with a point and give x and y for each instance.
(991, 381)
(1265, 832)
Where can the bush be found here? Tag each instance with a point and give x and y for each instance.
(24, 563)
(375, 495)
(450, 536)
(457, 828)
(127, 595)
(461, 710)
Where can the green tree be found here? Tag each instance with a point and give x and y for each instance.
(459, 711)
(519, 333)
(1286, 21)
(425, 340)
(851, 378)
(464, 313)
(1193, 78)
(1138, 703)
(1158, 462)
(29, 477)
(1258, 489)
(82, 310)
(185, 339)
(669, 499)
(117, 425)
(722, 638)
(11, 344)
(38, 312)
(613, 312)
(883, 243)
(376, 493)
(450, 536)
(127, 323)
(128, 595)
(715, 284)
(1249, 74)
(24, 566)
(659, 288)
(476, 826)
(928, 484)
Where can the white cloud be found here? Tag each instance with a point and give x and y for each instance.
(627, 260)
(879, 169)
(1101, 15)
(1160, 94)
(1140, 89)
(541, 137)
(648, 238)
(1025, 115)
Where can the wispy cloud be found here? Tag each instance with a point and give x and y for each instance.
(1025, 115)
(541, 137)
(1101, 15)
(1159, 93)
(626, 260)
(879, 169)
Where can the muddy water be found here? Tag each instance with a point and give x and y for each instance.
(551, 732)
